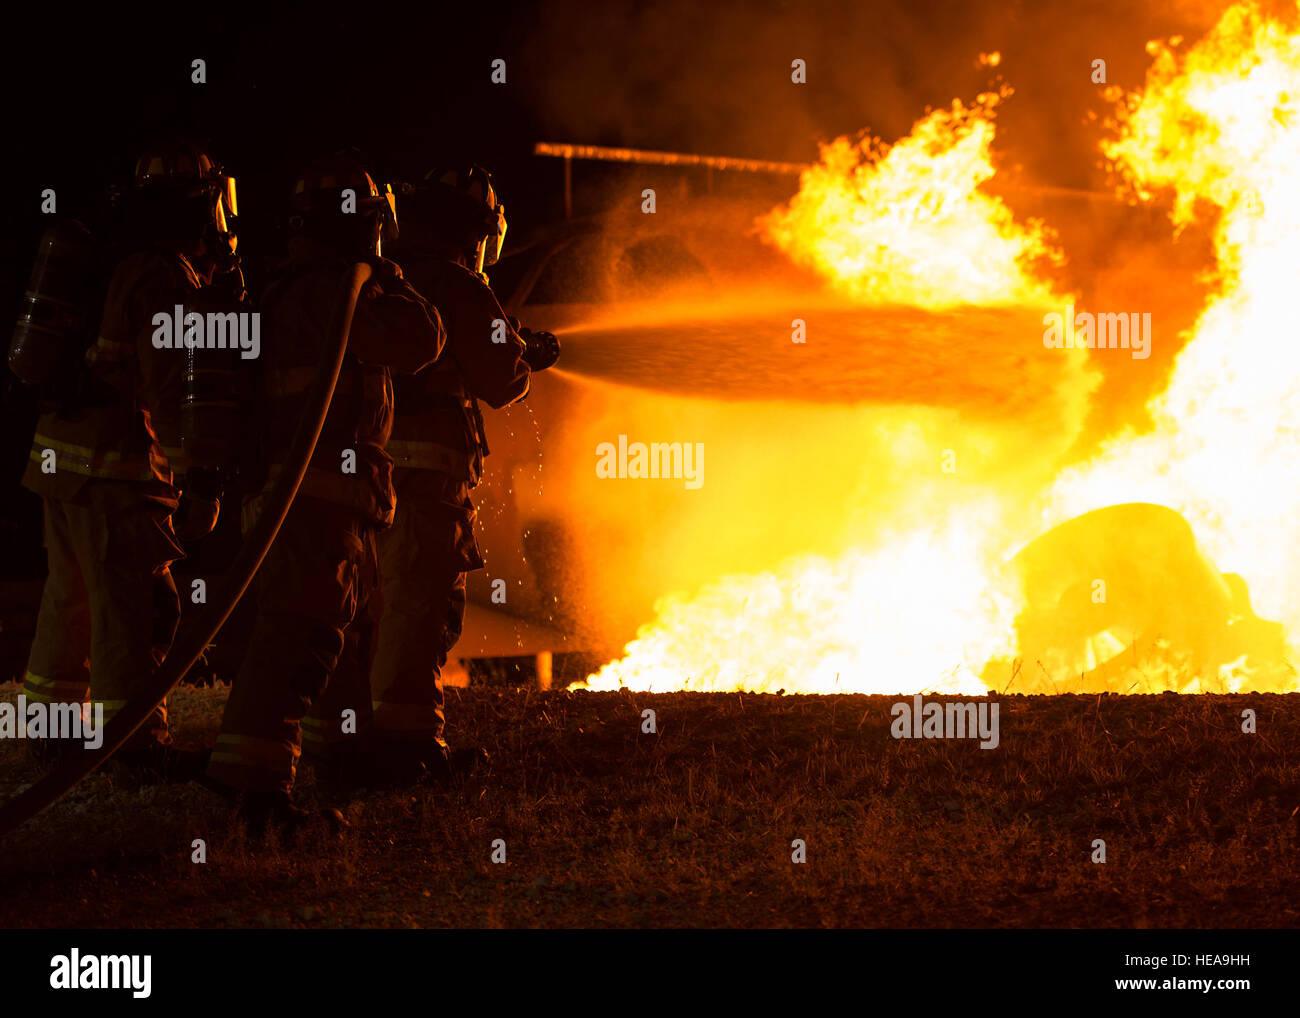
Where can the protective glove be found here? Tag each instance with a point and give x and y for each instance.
(228, 282)
(200, 504)
(195, 516)
(541, 349)
(383, 270)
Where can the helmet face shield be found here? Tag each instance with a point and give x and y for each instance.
(461, 208)
(496, 238)
(176, 171)
(390, 215)
(227, 205)
(336, 200)
(383, 219)
(228, 196)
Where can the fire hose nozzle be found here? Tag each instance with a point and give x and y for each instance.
(541, 349)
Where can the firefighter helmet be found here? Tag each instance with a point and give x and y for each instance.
(470, 199)
(320, 201)
(177, 167)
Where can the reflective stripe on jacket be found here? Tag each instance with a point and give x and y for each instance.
(393, 329)
(130, 430)
(438, 425)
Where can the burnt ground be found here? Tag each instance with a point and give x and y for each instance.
(692, 827)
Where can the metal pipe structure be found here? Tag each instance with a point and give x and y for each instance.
(194, 638)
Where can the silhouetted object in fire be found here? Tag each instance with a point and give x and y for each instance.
(1110, 585)
(454, 228)
(107, 456)
(315, 589)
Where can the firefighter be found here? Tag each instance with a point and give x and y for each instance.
(454, 229)
(108, 465)
(320, 574)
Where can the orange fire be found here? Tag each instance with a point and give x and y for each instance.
(918, 597)
(1216, 130)
(907, 223)
(922, 596)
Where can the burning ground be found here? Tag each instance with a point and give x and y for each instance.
(608, 827)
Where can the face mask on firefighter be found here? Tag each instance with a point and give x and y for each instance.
(227, 204)
(497, 238)
(390, 232)
(221, 240)
(488, 249)
(381, 224)
(226, 212)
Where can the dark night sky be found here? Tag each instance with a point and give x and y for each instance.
(410, 84)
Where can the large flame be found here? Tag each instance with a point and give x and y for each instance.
(864, 622)
(917, 598)
(1216, 128)
(922, 602)
(908, 223)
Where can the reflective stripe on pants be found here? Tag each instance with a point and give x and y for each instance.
(422, 560)
(318, 576)
(109, 607)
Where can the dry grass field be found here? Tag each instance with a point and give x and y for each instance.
(606, 826)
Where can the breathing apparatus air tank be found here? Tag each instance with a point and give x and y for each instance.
(52, 328)
(214, 400)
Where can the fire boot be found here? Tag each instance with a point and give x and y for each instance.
(432, 761)
(347, 768)
(264, 811)
(368, 763)
(267, 811)
(406, 763)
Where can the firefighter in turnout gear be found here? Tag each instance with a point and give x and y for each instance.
(319, 576)
(109, 466)
(454, 228)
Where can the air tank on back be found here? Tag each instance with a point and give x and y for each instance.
(51, 326)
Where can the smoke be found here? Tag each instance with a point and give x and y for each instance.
(717, 77)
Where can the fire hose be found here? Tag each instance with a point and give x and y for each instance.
(195, 636)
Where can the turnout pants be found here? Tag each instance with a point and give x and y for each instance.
(109, 608)
(423, 559)
(318, 578)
